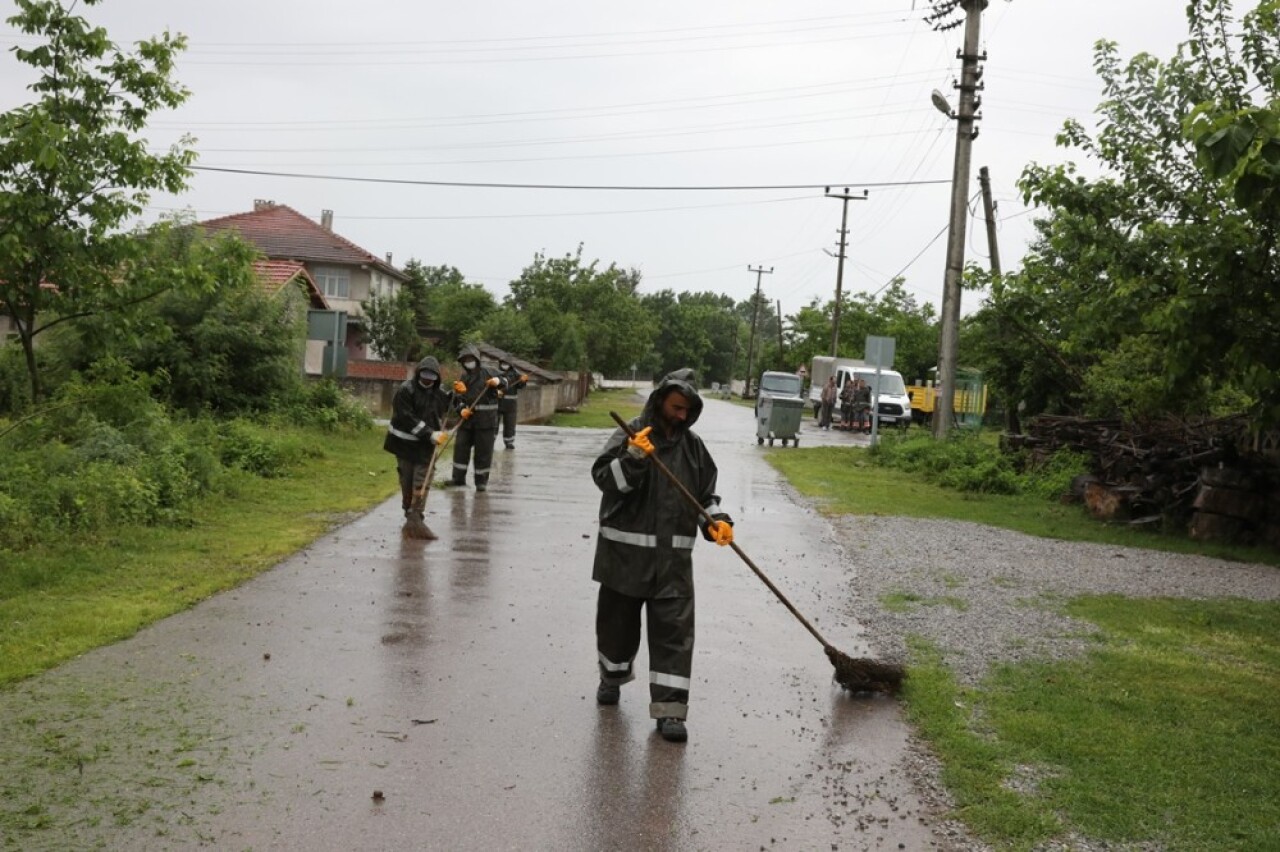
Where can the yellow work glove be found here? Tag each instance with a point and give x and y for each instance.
(466, 413)
(440, 438)
(459, 386)
(721, 532)
(494, 381)
(639, 445)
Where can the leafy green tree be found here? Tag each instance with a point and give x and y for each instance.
(390, 325)
(1151, 289)
(693, 330)
(456, 309)
(73, 170)
(893, 313)
(218, 343)
(565, 298)
(510, 330)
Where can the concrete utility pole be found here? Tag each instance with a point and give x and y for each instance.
(989, 210)
(842, 243)
(755, 319)
(969, 86)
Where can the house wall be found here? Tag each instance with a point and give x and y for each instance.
(364, 283)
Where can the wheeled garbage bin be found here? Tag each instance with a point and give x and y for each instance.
(778, 418)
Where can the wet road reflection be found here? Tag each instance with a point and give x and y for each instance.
(456, 677)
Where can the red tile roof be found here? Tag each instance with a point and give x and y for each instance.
(273, 275)
(282, 233)
(396, 370)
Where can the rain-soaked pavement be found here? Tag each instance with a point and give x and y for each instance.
(376, 693)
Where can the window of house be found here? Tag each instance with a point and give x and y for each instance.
(334, 282)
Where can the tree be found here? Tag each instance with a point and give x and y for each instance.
(73, 170)
(693, 330)
(390, 325)
(217, 342)
(1151, 289)
(574, 306)
(508, 329)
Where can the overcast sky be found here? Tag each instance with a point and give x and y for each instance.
(657, 94)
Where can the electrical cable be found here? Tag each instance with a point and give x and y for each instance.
(562, 186)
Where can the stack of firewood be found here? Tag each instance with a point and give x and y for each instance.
(1198, 474)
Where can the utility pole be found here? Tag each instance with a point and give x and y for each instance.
(842, 243)
(989, 210)
(966, 115)
(781, 362)
(755, 318)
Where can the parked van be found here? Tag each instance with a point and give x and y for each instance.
(893, 406)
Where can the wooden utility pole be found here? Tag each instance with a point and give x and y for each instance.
(842, 243)
(966, 115)
(989, 210)
(780, 363)
(755, 319)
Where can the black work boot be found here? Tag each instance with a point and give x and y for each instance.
(608, 693)
(673, 730)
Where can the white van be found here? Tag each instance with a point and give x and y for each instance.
(893, 405)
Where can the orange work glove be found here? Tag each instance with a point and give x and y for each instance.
(459, 386)
(721, 532)
(494, 381)
(440, 438)
(466, 413)
(640, 445)
(523, 377)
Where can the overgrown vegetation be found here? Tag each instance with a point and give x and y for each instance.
(970, 462)
(90, 578)
(104, 454)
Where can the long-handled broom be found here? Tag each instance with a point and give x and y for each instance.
(415, 526)
(854, 674)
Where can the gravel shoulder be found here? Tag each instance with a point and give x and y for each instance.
(1004, 589)
(1005, 585)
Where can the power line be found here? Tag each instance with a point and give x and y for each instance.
(565, 186)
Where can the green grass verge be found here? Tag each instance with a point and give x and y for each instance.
(66, 597)
(1168, 733)
(845, 481)
(594, 411)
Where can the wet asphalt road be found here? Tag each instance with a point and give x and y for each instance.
(456, 678)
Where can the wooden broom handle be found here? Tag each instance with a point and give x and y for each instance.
(738, 550)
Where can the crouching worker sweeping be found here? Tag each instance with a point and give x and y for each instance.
(414, 433)
(644, 549)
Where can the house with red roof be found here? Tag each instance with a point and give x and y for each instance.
(343, 273)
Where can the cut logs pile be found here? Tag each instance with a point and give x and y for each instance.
(1202, 475)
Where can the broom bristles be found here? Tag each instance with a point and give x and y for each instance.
(417, 528)
(864, 675)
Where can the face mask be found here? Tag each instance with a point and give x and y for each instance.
(426, 380)
(469, 365)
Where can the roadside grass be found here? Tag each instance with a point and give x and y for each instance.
(63, 598)
(845, 481)
(1168, 733)
(594, 411)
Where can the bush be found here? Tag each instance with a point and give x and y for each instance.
(259, 449)
(967, 462)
